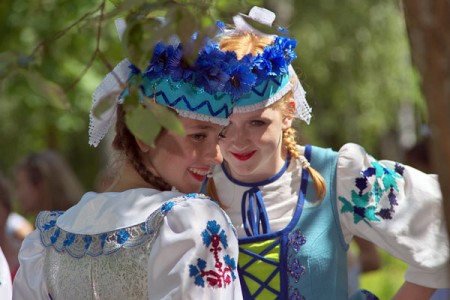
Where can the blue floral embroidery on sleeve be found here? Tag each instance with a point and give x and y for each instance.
(223, 271)
(385, 185)
(167, 206)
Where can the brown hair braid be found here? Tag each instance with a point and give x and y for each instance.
(125, 141)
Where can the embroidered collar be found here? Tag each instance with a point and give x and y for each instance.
(253, 209)
(262, 182)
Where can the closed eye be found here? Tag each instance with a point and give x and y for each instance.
(198, 137)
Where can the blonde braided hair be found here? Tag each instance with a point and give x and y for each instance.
(290, 142)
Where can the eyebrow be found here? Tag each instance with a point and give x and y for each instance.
(203, 127)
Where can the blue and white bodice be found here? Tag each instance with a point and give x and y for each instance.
(106, 248)
(294, 247)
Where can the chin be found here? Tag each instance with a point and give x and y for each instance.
(189, 189)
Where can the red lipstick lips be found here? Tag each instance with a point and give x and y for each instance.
(243, 156)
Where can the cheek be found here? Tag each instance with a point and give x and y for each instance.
(271, 136)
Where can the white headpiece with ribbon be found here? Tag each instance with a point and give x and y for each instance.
(267, 17)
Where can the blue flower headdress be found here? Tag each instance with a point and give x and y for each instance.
(217, 84)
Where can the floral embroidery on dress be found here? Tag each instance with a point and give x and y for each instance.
(366, 204)
(296, 240)
(79, 245)
(223, 272)
(295, 295)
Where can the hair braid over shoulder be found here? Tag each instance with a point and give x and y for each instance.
(290, 142)
(125, 141)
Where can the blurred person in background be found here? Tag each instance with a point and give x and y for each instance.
(13, 227)
(46, 181)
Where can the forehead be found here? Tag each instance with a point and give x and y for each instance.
(198, 124)
(267, 112)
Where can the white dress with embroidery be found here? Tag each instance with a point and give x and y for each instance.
(137, 244)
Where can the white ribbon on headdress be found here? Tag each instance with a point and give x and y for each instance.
(267, 17)
(111, 86)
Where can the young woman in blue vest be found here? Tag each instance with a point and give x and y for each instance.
(297, 207)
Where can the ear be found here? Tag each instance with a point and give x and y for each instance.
(142, 146)
(289, 114)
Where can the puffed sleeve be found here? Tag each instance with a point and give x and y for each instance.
(5, 278)
(29, 282)
(195, 254)
(399, 209)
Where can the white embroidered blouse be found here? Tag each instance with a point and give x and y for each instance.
(410, 226)
(137, 244)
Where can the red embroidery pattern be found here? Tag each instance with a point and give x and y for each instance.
(224, 269)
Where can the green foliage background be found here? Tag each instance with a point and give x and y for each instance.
(354, 63)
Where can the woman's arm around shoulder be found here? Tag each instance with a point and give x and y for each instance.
(195, 254)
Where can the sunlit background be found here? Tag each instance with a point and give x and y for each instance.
(353, 60)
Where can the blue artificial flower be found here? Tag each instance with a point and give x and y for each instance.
(261, 68)
(159, 63)
(275, 56)
(212, 69)
(287, 46)
(241, 77)
(177, 67)
(134, 70)
(220, 25)
(282, 30)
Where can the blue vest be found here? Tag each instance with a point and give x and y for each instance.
(308, 258)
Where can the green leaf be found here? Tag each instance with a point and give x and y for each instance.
(47, 89)
(133, 37)
(167, 118)
(142, 123)
(105, 103)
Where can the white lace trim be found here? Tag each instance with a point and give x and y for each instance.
(111, 86)
(265, 103)
(302, 108)
(201, 117)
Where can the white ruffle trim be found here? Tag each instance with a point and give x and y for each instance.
(111, 86)
(302, 108)
(201, 117)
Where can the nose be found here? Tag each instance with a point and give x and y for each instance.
(213, 154)
(238, 138)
